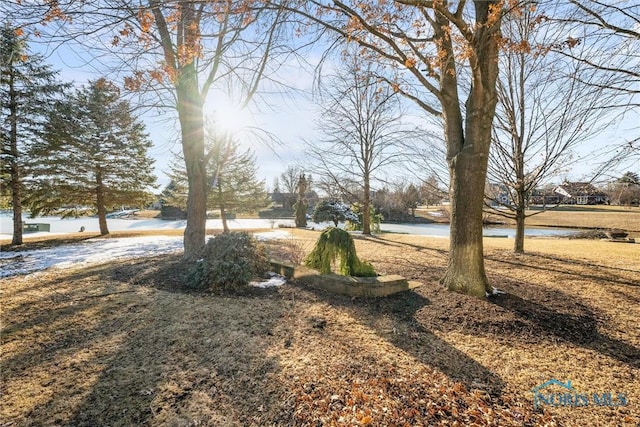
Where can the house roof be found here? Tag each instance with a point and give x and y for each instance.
(580, 189)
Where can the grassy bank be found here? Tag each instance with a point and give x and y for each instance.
(592, 217)
(626, 218)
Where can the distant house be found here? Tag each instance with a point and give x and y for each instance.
(497, 195)
(545, 196)
(580, 193)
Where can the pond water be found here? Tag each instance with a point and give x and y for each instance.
(442, 230)
(90, 224)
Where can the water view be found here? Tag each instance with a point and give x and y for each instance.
(90, 224)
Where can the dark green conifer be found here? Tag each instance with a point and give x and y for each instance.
(93, 153)
(28, 89)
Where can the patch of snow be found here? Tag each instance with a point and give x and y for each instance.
(272, 235)
(102, 250)
(273, 281)
(123, 212)
(92, 251)
(494, 291)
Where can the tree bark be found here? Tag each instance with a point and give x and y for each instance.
(223, 211)
(190, 114)
(190, 104)
(301, 204)
(468, 143)
(16, 182)
(223, 216)
(521, 205)
(16, 195)
(100, 205)
(518, 246)
(366, 203)
(465, 270)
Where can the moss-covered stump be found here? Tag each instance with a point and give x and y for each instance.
(345, 285)
(336, 244)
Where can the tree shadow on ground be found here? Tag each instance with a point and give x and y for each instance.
(588, 264)
(529, 262)
(45, 243)
(532, 312)
(395, 319)
(420, 248)
(529, 312)
(543, 314)
(98, 355)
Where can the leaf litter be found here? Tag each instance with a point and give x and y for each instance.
(125, 344)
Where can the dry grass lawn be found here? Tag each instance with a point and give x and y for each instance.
(598, 217)
(624, 217)
(125, 344)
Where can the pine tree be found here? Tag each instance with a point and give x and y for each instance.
(93, 153)
(28, 88)
(233, 185)
(175, 193)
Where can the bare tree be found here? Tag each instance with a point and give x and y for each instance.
(547, 106)
(431, 190)
(605, 35)
(288, 182)
(425, 45)
(626, 189)
(362, 131)
(177, 52)
(289, 179)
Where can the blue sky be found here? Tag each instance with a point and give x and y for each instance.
(289, 117)
(292, 119)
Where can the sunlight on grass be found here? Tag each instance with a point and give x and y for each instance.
(122, 344)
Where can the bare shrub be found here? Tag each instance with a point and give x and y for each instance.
(230, 261)
(295, 250)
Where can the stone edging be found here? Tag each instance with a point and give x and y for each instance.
(346, 285)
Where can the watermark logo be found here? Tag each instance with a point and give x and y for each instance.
(569, 397)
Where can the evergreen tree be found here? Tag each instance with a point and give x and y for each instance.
(28, 88)
(411, 199)
(630, 178)
(233, 185)
(627, 189)
(334, 211)
(175, 193)
(93, 153)
(301, 204)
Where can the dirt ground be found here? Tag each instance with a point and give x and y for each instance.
(125, 344)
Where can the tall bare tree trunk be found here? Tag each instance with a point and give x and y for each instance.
(468, 143)
(16, 181)
(465, 270)
(100, 205)
(520, 214)
(518, 246)
(190, 114)
(223, 217)
(366, 203)
(223, 210)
